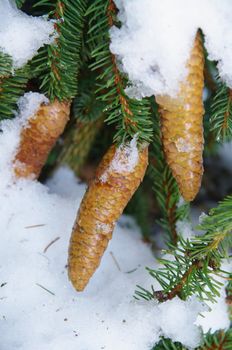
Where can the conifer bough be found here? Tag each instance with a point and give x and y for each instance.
(103, 203)
(39, 136)
(182, 129)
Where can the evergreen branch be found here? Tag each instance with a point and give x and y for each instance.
(19, 3)
(196, 262)
(184, 276)
(5, 65)
(221, 109)
(229, 296)
(43, 7)
(130, 116)
(218, 228)
(220, 340)
(57, 64)
(88, 115)
(78, 143)
(139, 208)
(168, 344)
(164, 184)
(86, 106)
(11, 88)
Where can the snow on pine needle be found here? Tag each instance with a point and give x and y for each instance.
(21, 35)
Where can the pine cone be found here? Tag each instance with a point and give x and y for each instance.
(182, 126)
(38, 138)
(103, 203)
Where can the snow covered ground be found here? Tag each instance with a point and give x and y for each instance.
(39, 309)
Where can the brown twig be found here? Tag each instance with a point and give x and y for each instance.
(35, 226)
(161, 296)
(47, 290)
(220, 346)
(49, 245)
(115, 261)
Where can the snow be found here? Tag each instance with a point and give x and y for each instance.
(21, 35)
(29, 103)
(155, 39)
(182, 316)
(218, 316)
(202, 217)
(125, 159)
(185, 229)
(39, 309)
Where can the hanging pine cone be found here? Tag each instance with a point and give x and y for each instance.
(38, 138)
(182, 129)
(116, 180)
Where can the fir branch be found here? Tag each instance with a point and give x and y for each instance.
(221, 109)
(168, 344)
(164, 184)
(220, 340)
(218, 227)
(229, 296)
(11, 88)
(130, 116)
(88, 116)
(139, 208)
(6, 65)
(86, 107)
(77, 144)
(196, 262)
(19, 3)
(57, 64)
(184, 276)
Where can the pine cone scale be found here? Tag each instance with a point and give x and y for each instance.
(39, 136)
(102, 205)
(181, 124)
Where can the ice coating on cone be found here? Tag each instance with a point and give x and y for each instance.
(101, 206)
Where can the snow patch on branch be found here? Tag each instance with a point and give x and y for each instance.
(185, 229)
(155, 39)
(28, 105)
(177, 320)
(22, 35)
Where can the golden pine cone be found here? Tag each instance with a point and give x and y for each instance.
(38, 138)
(103, 203)
(182, 126)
